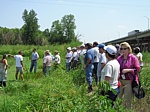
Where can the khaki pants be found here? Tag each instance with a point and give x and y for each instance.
(126, 90)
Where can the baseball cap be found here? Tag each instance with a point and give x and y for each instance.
(74, 48)
(69, 48)
(138, 48)
(111, 49)
(82, 45)
(101, 46)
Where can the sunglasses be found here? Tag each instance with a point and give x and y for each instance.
(123, 48)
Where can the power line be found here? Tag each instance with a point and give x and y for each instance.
(93, 4)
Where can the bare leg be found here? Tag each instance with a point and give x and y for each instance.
(16, 75)
(21, 75)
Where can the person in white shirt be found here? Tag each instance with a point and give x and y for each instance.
(110, 73)
(74, 59)
(82, 55)
(56, 59)
(68, 58)
(96, 60)
(139, 55)
(19, 64)
(102, 61)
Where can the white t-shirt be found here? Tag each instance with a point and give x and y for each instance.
(57, 59)
(75, 56)
(68, 55)
(96, 54)
(139, 55)
(102, 60)
(18, 58)
(112, 70)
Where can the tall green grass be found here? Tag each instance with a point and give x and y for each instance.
(61, 91)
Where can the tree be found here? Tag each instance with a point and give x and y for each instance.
(56, 33)
(30, 27)
(68, 25)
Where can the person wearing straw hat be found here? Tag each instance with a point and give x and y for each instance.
(47, 61)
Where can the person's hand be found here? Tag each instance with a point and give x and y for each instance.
(126, 71)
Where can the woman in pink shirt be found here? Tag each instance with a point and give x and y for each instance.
(129, 67)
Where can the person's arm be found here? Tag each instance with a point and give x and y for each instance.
(44, 62)
(140, 59)
(136, 66)
(9, 55)
(103, 61)
(37, 56)
(103, 64)
(6, 64)
(107, 78)
(87, 62)
(22, 64)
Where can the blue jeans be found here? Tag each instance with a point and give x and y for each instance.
(33, 64)
(46, 70)
(89, 71)
(68, 65)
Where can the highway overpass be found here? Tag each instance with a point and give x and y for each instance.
(140, 39)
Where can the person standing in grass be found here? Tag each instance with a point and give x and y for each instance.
(96, 60)
(68, 58)
(34, 58)
(139, 55)
(3, 71)
(88, 61)
(56, 59)
(74, 58)
(129, 67)
(19, 64)
(110, 72)
(102, 61)
(47, 61)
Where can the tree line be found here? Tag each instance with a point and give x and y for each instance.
(61, 31)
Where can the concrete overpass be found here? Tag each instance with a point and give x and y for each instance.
(141, 39)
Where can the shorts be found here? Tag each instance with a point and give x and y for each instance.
(19, 69)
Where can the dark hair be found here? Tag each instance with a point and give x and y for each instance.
(136, 50)
(20, 52)
(111, 56)
(4, 56)
(95, 43)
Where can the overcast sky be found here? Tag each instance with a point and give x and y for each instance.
(96, 20)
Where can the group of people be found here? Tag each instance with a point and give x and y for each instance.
(111, 64)
(116, 65)
(47, 62)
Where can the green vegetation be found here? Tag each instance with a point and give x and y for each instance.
(61, 32)
(61, 91)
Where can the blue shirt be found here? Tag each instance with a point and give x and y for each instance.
(89, 55)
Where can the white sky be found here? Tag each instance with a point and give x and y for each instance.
(96, 20)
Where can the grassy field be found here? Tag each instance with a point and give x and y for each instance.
(61, 91)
